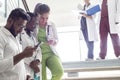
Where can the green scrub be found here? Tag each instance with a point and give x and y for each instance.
(49, 59)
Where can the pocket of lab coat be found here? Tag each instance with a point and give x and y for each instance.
(118, 27)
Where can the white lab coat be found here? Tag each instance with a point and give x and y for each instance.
(91, 27)
(52, 35)
(113, 14)
(30, 41)
(9, 47)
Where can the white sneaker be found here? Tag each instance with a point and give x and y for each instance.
(98, 59)
(118, 57)
(88, 59)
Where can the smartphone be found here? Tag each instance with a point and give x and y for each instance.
(37, 44)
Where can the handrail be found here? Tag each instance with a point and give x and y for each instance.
(111, 77)
(110, 68)
(73, 68)
(25, 5)
(92, 64)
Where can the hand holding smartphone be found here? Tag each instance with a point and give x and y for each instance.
(36, 46)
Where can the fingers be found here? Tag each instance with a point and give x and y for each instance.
(50, 42)
(28, 77)
(37, 61)
(28, 51)
(34, 66)
(34, 48)
(36, 70)
(31, 48)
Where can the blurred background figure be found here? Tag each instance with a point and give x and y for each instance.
(109, 19)
(88, 28)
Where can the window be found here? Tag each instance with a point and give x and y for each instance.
(71, 48)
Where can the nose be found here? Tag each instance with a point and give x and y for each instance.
(21, 28)
(45, 20)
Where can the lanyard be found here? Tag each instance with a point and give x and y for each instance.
(86, 6)
(48, 30)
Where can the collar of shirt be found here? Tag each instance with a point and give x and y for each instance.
(7, 32)
(25, 33)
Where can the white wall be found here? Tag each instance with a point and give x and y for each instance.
(61, 10)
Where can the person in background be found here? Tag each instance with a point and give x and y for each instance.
(26, 38)
(109, 19)
(11, 55)
(48, 35)
(88, 28)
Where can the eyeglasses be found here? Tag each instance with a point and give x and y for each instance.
(22, 27)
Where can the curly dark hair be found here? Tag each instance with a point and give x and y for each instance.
(18, 13)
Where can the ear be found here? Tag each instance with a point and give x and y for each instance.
(10, 21)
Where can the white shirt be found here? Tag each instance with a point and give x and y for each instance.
(30, 41)
(9, 47)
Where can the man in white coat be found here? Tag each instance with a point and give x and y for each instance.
(88, 28)
(11, 54)
(109, 21)
(32, 64)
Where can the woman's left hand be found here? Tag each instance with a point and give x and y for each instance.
(51, 42)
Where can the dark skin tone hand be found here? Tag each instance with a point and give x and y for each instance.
(34, 65)
(27, 52)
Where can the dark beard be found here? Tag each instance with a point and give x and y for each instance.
(12, 30)
(28, 31)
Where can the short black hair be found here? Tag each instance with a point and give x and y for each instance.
(31, 15)
(18, 13)
(42, 8)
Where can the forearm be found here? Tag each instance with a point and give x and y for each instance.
(27, 52)
(90, 17)
(87, 16)
(18, 58)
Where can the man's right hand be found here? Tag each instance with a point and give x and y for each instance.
(28, 51)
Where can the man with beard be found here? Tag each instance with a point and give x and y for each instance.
(11, 55)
